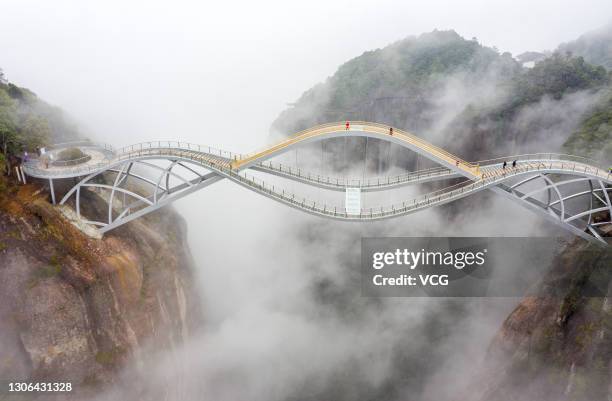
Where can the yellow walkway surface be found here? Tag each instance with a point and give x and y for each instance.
(372, 130)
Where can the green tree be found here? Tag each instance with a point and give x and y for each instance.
(8, 123)
(594, 136)
(35, 132)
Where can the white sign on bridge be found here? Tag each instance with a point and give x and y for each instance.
(352, 201)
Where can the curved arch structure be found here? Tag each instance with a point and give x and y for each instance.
(361, 129)
(548, 184)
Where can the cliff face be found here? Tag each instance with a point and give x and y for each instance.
(76, 308)
(556, 344)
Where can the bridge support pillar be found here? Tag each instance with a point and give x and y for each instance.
(18, 174)
(52, 190)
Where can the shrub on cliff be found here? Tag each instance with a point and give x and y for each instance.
(70, 154)
(26, 122)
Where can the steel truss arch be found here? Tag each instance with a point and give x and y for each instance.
(164, 194)
(161, 192)
(557, 210)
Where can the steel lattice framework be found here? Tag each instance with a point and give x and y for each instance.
(568, 190)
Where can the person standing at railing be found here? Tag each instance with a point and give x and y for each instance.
(44, 160)
(391, 131)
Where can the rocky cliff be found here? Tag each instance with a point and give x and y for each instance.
(556, 344)
(77, 308)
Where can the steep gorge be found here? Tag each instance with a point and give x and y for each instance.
(73, 307)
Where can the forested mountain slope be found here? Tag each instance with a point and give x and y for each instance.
(27, 122)
(481, 104)
(594, 46)
(462, 95)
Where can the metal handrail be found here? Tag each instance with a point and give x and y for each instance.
(458, 190)
(356, 182)
(73, 162)
(83, 143)
(188, 150)
(313, 131)
(541, 156)
(121, 153)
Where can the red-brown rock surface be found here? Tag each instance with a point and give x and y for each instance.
(77, 308)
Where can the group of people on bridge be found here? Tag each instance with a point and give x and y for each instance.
(506, 164)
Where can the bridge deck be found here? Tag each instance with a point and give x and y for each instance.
(370, 129)
(220, 164)
(492, 178)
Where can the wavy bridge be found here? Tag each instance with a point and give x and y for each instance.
(570, 191)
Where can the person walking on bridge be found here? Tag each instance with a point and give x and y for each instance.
(391, 131)
(504, 165)
(514, 164)
(347, 125)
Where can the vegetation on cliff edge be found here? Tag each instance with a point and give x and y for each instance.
(26, 122)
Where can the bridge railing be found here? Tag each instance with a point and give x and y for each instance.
(491, 179)
(32, 168)
(290, 139)
(374, 213)
(541, 157)
(128, 153)
(82, 143)
(552, 164)
(176, 145)
(355, 182)
(574, 163)
(382, 129)
(426, 200)
(73, 162)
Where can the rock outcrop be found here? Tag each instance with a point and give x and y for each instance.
(74, 308)
(557, 343)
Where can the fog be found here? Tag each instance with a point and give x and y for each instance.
(280, 290)
(218, 73)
